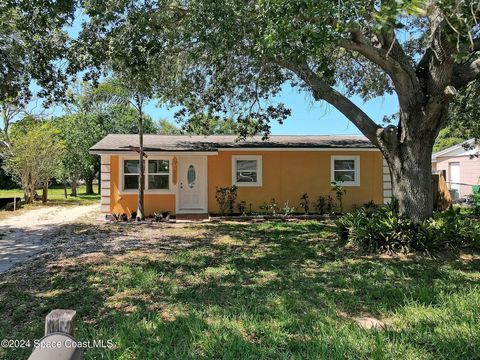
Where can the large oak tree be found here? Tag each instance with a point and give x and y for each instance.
(232, 56)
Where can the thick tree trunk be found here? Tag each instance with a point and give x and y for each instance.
(141, 175)
(410, 165)
(45, 192)
(74, 187)
(89, 186)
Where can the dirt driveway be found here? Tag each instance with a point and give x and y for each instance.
(23, 235)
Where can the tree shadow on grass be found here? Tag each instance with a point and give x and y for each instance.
(231, 291)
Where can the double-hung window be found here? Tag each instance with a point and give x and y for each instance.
(157, 174)
(247, 170)
(346, 170)
(131, 169)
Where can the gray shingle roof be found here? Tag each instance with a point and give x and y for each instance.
(122, 143)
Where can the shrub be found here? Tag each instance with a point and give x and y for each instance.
(476, 203)
(241, 207)
(383, 230)
(305, 203)
(226, 197)
(161, 216)
(324, 205)
(287, 210)
(340, 192)
(271, 207)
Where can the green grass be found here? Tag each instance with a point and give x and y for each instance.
(250, 291)
(56, 195)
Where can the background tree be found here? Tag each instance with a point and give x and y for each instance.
(202, 124)
(122, 91)
(233, 56)
(165, 127)
(82, 129)
(34, 155)
(464, 118)
(205, 124)
(78, 133)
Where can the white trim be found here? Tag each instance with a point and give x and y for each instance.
(387, 183)
(356, 160)
(452, 148)
(301, 149)
(171, 187)
(258, 159)
(105, 184)
(151, 153)
(203, 210)
(105, 192)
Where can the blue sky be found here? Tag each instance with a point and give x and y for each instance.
(308, 116)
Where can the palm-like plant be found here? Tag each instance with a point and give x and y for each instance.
(117, 91)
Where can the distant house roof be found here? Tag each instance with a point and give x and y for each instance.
(465, 148)
(152, 143)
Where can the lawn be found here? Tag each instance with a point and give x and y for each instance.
(56, 196)
(244, 291)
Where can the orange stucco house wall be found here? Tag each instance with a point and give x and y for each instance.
(283, 174)
(287, 175)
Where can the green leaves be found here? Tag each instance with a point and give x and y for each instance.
(381, 229)
(32, 41)
(35, 153)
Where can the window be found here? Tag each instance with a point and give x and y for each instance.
(130, 174)
(247, 170)
(157, 174)
(346, 170)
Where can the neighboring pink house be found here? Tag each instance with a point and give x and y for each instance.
(461, 165)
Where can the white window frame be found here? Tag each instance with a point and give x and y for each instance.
(122, 175)
(147, 174)
(258, 159)
(122, 189)
(356, 160)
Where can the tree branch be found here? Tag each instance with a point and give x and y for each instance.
(392, 60)
(322, 91)
(464, 73)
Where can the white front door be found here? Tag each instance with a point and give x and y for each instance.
(192, 187)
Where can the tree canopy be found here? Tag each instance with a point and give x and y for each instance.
(33, 48)
(230, 58)
(464, 118)
(34, 155)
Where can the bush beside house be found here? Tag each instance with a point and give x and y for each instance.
(382, 229)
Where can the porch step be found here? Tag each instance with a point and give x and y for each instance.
(192, 217)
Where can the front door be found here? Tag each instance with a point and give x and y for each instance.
(192, 184)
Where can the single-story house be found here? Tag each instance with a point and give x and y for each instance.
(461, 165)
(182, 173)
